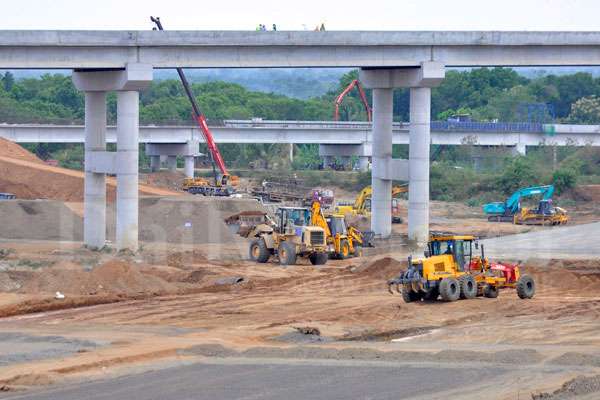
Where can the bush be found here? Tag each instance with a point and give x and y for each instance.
(564, 179)
(518, 173)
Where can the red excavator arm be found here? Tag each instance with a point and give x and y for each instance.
(363, 98)
(213, 151)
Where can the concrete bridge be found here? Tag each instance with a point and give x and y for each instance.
(123, 61)
(336, 139)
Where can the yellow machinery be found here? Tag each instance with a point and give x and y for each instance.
(450, 270)
(222, 186)
(362, 204)
(544, 214)
(342, 241)
(290, 236)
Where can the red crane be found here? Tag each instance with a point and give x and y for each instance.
(214, 154)
(363, 99)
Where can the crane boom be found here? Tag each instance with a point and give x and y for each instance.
(213, 150)
(363, 99)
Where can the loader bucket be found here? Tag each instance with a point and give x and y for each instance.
(242, 223)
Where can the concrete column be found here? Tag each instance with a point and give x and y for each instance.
(154, 163)
(94, 206)
(172, 163)
(291, 153)
(189, 166)
(519, 150)
(127, 169)
(381, 200)
(363, 163)
(419, 142)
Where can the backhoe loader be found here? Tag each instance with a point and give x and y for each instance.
(362, 204)
(342, 241)
(452, 271)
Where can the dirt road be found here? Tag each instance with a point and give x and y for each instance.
(293, 381)
(564, 242)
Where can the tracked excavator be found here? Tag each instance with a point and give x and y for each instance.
(511, 209)
(362, 204)
(223, 183)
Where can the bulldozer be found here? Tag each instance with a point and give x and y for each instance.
(362, 204)
(511, 210)
(450, 270)
(343, 242)
(289, 236)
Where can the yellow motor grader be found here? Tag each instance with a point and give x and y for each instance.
(451, 271)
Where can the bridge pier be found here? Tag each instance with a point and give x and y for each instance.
(384, 167)
(123, 162)
(154, 163)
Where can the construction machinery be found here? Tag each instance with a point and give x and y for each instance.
(343, 242)
(363, 99)
(451, 270)
(362, 204)
(223, 182)
(511, 210)
(288, 236)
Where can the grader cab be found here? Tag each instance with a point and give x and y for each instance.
(451, 270)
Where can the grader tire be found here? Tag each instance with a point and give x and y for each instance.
(468, 287)
(259, 251)
(409, 295)
(287, 253)
(490, 291)
(525, 287)
(449, 289)
(318, 258)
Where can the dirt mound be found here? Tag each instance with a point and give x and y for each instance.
(190, 219)
(181, 220)
(39, 220)
(383, 268)
(13, 150)
(170, 180)
(113, 277)
(28, 177)
(575, 276)
(587, 192)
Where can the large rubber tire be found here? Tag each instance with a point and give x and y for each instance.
(490, 291)
(287, 253)
(525, 287)
(449, 289)
(432, 295)
(318, 258)
(468, 287)
(258, 251)
(409, 295)
(344, 249)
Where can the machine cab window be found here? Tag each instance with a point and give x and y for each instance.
(460, 249)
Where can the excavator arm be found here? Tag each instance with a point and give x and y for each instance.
(363, 99)
(214, 154)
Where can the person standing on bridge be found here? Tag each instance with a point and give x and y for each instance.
(274, 27)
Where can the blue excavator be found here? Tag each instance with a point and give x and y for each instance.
(511, 210)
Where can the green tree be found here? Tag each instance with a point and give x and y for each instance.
(586, 110)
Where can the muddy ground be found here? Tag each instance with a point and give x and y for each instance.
(120, 312)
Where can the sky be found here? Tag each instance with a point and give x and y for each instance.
(569, 15)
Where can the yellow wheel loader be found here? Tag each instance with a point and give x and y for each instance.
(290, 236)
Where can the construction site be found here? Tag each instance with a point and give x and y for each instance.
(119, 279)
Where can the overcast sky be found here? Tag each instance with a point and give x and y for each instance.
(304, 14)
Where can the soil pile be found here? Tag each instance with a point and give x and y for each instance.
(170, 180)
(12, 150)
(113, 277)
(39, 220)
(577, 277)
(179, 220)
(383, 268)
